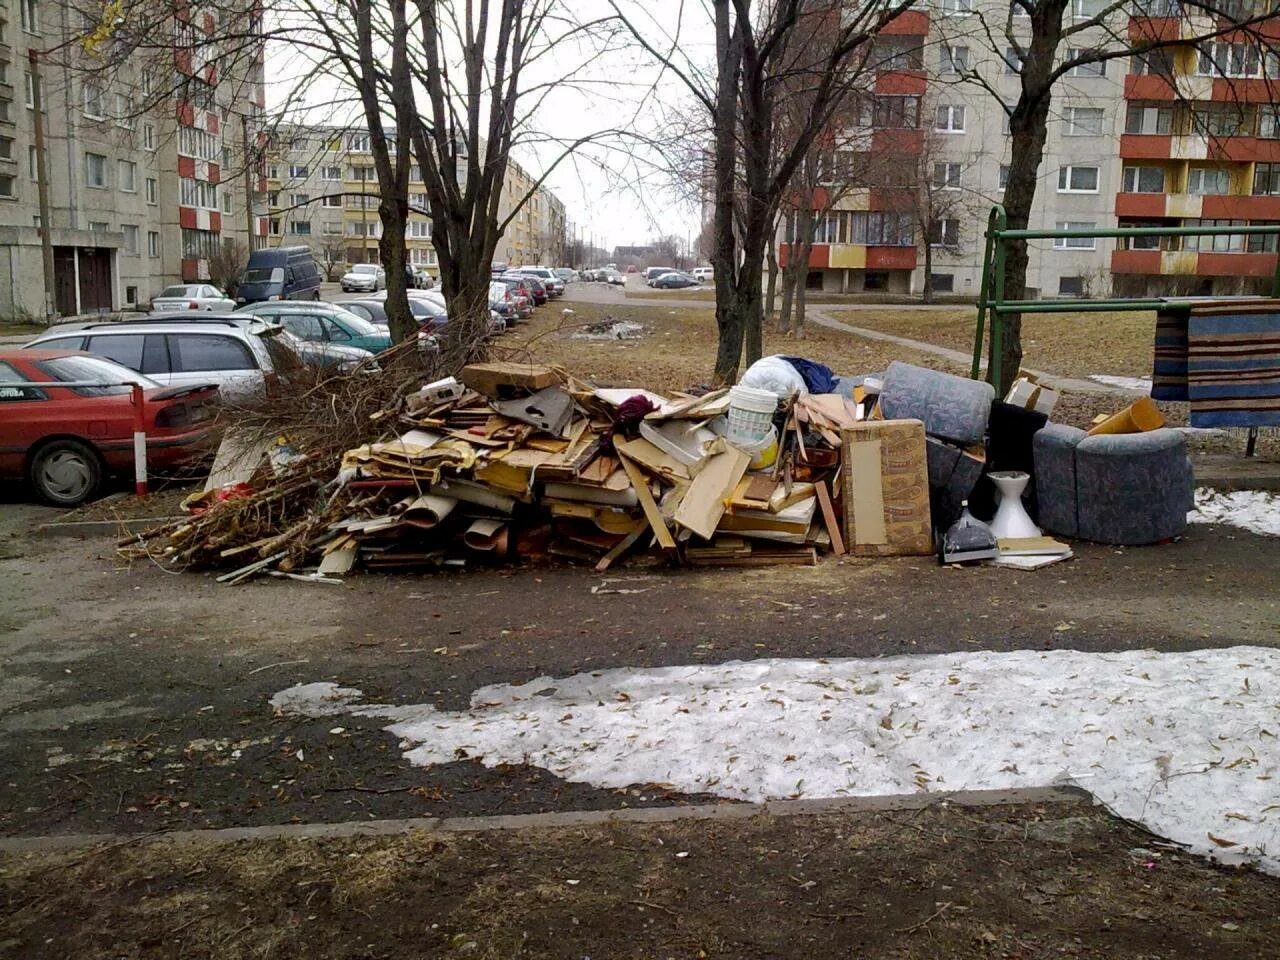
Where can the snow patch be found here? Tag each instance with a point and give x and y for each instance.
(1184, 743)
(1137, 384)
(1254, 510)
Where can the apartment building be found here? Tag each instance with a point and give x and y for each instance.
(137, 159)
(1180, 137)
(321, 190)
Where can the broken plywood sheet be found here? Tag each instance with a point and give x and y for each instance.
(655, 461)
(708, 495)
(237, 460)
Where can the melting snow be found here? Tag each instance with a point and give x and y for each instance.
(1254, 510)
(1185, 743)
(1139, 384)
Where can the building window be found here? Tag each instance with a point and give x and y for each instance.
(199, 244)
(946, 176)
(358, 142)
(1208, 181)
(95, 170)
(273, 172)
(1224, 59)
(331, 200)
(1144, 179)
(8, 186)
(1266, 179)
(942, 282)
(1084, 9)
(30, 90)
(1083, 121)
(6, 148)
(1002, 179)
(273, 226)
(1091, 68)
(1143, 243)
(1269, 121)
(1157, 8)
(151, 190)
(945, 232)
(94, 107)
(299, 199)
(198, 144)
(298, 171)
(956, 7)
(1075, 243)
(226, 199)
(1221, 120)
(331, 173)
(955, 60)
(127, 176)
(1223, 243)
(148, 136)
(130, 232)
(1012, 62)
(99, 226)
(153, 243)
(1077, 179)
(300, 228)
(198, 193)
(1147, 119)
(331, 228)
(1071, 286)
(33, 163)
(950, 119)
(125, 115)
(362, 174)
(420, 229)
(1153, 63)
(273, 198)
(885, 112)
(897, 53)
(424, 256)
(29, 12)
(6, 110)
(1262, 243)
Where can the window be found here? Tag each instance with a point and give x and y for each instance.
(946, 176)
(1153, 63)
(1077, 179)
(273, 172)
(273, 198)
(1083, 121)
(884, 112)
(363, 174)
(124, 348)
(1220, 120)
(954, 60)
(8, 186)
(29, 13)
(152, 190)
(33, 163)
(330, 173)
(6, 148)
(1224, 59)
(6, 110)
(1144, 179)
(95, 170)
(420, 229)
(942, 282)
(331, 228)
(300, 228)
(226, 199)
(955, 7)
(1224, 243)
(426, 256)
(130, 232)
(127, 176)
(31, 90)
(1146, 118)
(358, 142)
(896, 53)
(1266, 179)
(1269, 121)
(125, 115)
(1002, 179)
(1012, 62)
(198, 144)
(1071, 286)
(1094, 68)
(1144, 243)
(882, 229)
(1075, 243)
(298, 171)
(304, 326)
(148, 136)
(153, 243)
(17, 393)
(199, 244)
(330, 200)
(299, 199)
(201, 352)
(99, 226)
(198, 193)
(1262, 243)
(945, 232)
(1208, 181)
(94, 107)
(950, 119)
(1157, 8)
(273, 226)
(1084, 9)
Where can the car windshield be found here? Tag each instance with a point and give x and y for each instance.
(356, 325)
(421, 307)
(368, 268)
(498, 291)
(178, 291)
(96, 370)
(264, 275)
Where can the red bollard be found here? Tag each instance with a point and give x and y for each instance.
(139, 443)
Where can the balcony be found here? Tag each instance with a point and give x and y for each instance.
(912, 83)
(854, 256)
(1193, 263)
(910, 23)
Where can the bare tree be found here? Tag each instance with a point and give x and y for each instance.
(330, 252)
(227, 265)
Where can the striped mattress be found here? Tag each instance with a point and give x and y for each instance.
(1223, 357)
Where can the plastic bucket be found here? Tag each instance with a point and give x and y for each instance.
(763, 452)
(750, 415)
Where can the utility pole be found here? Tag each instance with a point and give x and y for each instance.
(42, 186)
(248, 183)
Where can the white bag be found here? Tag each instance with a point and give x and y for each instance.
(776, 375)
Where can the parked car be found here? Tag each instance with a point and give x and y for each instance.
(704, 273)
(553, 284)
(65, 440)
(210, 348)
(422, 280)
(324, 323)
(522, 295)
(631, 268)
(498, 268)
(287, 350)
(653, 273)
(566, 274)
(674, 280)
(615, 278)
(191, 296)
(280, 273)
(502, 301)
(369, 277)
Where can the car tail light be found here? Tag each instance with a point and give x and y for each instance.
(174, 415)
(193, 305)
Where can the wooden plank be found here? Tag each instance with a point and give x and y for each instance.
(829, 518)
(656, 461)
(623, 546)
(489, 378)
(703, 506)
(647, 504)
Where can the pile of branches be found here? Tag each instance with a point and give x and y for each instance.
(303, 428)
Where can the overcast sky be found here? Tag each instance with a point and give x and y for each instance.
(613, 191)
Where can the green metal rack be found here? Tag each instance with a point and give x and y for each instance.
(991, 302)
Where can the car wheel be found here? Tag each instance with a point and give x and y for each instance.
(65, 472)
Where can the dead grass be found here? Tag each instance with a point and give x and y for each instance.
(1068, 344)
(941, 883)
(21, 329)
(678, 347)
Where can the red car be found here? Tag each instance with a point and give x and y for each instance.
(64, 440)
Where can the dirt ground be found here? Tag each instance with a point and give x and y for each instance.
(1024, 882)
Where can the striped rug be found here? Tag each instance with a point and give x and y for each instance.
(1233, 364)
(1169, 376)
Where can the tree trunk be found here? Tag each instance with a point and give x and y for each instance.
(788, 292)
(730, 316)
(926, 292)
(394, 212)
(802, 287)
(771, 287)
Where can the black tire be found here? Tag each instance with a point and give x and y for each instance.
(65, 473)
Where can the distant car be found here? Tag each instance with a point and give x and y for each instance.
(191, 296)
(369, 277)
(502, 301)
(521, 293)
(280, 273)
(498, 268)
(422, 280)
(65, 440)
(631, 268)
(674, 281)
(567, 274)
(653, 273)
(324, 323)
(615, 278)
(554, 285)
(704, 273)
(537, 292)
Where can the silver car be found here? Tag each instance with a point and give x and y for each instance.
(364, 277)
(192, 296)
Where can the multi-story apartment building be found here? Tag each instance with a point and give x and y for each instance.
(1182, 136)
(138, 156)
(322, 191)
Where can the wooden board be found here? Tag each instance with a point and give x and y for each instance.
(829, 518)
(656, 461)
(647, 504)
(491, 378)
(703, 506)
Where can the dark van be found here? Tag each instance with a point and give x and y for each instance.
(280, 273)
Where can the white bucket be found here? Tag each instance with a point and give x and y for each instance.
(763, 452)
(750, 415)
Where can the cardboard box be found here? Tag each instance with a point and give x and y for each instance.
(1031, 394)
(885, 480)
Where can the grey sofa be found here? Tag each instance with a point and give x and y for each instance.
(1129, 488)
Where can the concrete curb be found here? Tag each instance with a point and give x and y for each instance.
(549, 821)
(99, 528)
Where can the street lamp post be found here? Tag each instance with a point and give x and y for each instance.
(42, 186)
